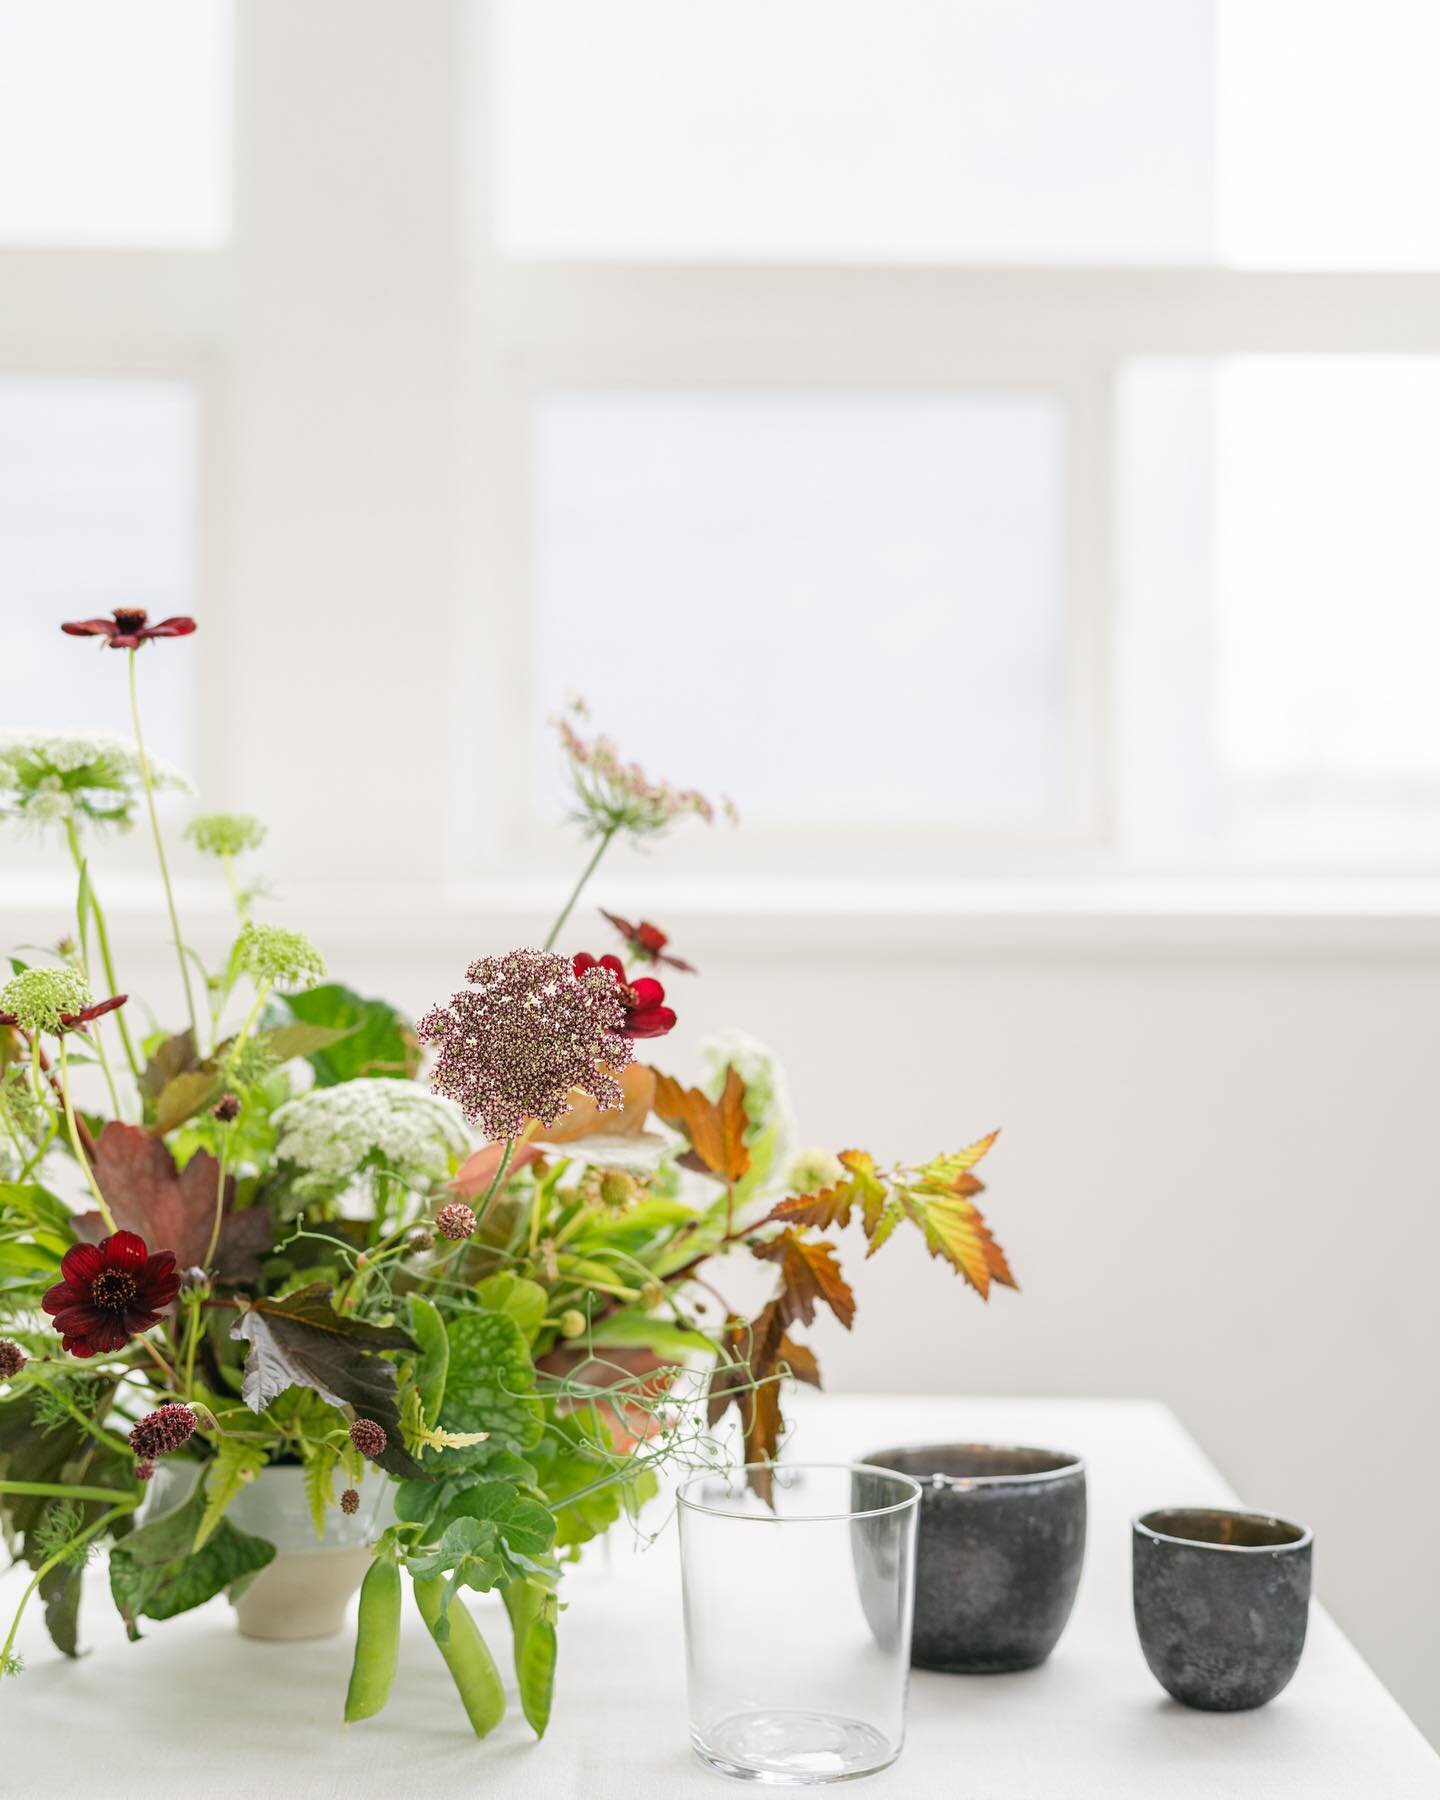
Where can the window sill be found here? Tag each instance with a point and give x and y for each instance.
(810, 917)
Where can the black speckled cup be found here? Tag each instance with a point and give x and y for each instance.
(998, 1556)
(1222, 1600)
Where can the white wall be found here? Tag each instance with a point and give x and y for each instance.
(1216, 1178)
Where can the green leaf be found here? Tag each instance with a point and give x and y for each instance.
(320, 1461)
(434, 1361)
(182, 1097)
(285, 1041)
(631, 1327)
(374, 1039)
(155, 1573)
(524, 1525)
(490, 1385)
(236, 1464)
(577, 1459)
(522, 1300)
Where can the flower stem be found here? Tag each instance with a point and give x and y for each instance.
(144, 762)
(80, 1156)
(219, 1199)
(60, 1490)
(579, 887)
(483, 1210)
(66, 1549)
(102, 935)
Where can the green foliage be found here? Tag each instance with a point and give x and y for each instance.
(237, 1462)
(373, 1038)
(587, 1483)
(521, 1300)
(301, 1341)
(156, 1572)
(490, 1386)
(320, 1461)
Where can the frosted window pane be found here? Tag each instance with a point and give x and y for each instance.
(843, 609)
(1279, 631)
(1329, 133)
(978, 130)
(115, 122)
(97, 500)
(1328, 569)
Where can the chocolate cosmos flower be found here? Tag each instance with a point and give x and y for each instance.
(646, 1014)
(646, 941)
(126, 628)
(109, 1292)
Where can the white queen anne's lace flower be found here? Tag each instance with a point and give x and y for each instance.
(47, 777)
(330, 1131)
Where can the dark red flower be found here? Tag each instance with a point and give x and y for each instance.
(126, 628)
(77, 1021)
(109, 1292)
(350, 1501)
(646, 941)
(646, 1014)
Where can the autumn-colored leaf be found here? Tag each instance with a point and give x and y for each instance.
(715, 1128)
(174, 1209)
(809, 1274)
(755, 1358)
(301, 1341)
(831, 1208)
(585, 1118)
(954, 1230)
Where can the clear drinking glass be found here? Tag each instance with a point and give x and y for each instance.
(797, 1619)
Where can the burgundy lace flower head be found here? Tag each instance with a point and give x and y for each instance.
(109, 1292)
(126, 628)
(511, 1047)
(646, 1014)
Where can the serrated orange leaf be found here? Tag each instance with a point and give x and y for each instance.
(890, 1217)
(954, 1229)
(809, 1274)
(715, 1128)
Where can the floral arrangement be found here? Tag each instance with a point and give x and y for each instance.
(474, 1259)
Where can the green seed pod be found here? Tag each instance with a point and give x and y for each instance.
(377, 1641)
(472, 1668)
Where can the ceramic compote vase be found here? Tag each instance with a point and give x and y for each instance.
(303, 1592)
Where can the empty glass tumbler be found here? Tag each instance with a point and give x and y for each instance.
(797, 1619)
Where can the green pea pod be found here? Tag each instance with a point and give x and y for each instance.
(434, 1361)
(466, 1655)
(532, 1617)
(377, 1641)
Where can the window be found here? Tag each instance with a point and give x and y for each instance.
(114, 122)
(995, 435)
(97, 509)
(891, 610)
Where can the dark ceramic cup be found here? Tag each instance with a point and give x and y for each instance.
(1222, 1600)
(998, 1555)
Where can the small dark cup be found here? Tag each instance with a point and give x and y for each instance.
(1222, 1600)
(998, 1556)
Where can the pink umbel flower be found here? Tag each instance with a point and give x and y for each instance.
(616, 795)
(512, 1046)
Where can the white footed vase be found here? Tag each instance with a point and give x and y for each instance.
(304, 1591)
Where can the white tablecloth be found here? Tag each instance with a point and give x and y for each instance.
(195, 1712)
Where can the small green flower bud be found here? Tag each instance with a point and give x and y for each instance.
(274, 954)
(572, 1324)
(39, 998)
